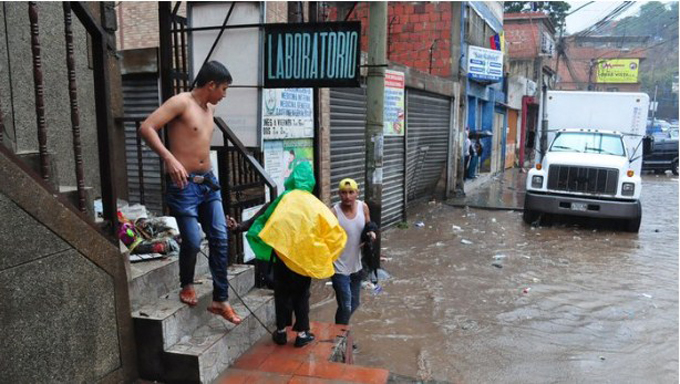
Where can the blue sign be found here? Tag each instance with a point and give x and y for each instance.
(485, 65)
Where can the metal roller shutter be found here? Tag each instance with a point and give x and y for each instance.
(427, 130)
(140, 98)
(348, 152)
(393, 181)
(348, 127)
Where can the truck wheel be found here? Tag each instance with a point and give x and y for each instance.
(674, 167)
(633, 225)
(530, 216)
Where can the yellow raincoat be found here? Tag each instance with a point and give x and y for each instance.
(305, 234)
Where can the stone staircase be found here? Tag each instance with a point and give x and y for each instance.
(180, 344)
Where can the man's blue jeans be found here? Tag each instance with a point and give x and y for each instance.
(347, 289)
(193, 204)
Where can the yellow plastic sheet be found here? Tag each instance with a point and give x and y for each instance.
(305, 234)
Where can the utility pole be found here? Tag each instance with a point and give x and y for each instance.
(374, 112)
(654, 105)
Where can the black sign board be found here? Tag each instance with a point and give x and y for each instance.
(306, 55)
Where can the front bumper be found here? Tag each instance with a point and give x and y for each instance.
(562, 205)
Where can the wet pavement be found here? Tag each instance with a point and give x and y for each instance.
(504, 191)
(500, 301)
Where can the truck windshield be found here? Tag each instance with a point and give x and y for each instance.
(588, 142)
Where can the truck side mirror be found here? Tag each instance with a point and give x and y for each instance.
(647, 145)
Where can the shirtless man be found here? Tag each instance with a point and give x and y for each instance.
(192, 189)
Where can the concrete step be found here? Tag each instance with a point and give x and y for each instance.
(211, 349)
(155, 278)
(175, 319)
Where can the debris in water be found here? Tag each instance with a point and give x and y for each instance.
(499, 257)
(535, 280)
(385, 259)
(439, 244)
(647, 295)
(466, 242)
(493, 219)
(577, 238)
(656, 230)
(497, 265)
(457, 228)
(419, 224)
(526, 290)
(329, 283)
(602, 358)
(526, 257)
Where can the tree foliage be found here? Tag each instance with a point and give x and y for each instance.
(557, 10)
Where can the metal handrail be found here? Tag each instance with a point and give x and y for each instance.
(229, 135)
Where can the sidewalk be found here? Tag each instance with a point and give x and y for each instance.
(267, 362)
(503, 191)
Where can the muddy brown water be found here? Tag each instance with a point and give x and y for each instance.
(573, 301)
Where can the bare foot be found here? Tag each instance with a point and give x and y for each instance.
(224, 309)
(188, 295)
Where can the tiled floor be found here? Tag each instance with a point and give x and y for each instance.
(267, 362)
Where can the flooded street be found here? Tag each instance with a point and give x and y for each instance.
(567, 302)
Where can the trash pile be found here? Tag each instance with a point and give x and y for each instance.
(146, 238)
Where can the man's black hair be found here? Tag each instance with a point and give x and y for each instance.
(213, 71)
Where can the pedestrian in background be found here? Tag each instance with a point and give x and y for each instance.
(354, 217)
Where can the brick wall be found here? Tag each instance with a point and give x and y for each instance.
(138, 24)
(413, 29)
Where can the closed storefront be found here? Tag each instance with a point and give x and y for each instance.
(427, 131)
(140, 98)
(348, 128)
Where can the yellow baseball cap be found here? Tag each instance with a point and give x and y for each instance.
(348, 184)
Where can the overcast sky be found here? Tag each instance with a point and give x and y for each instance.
(590, 14)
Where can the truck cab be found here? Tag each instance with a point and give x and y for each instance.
(589, 168)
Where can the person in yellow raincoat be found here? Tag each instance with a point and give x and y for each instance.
(305, 238)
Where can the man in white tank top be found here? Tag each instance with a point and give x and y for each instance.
(353, 215)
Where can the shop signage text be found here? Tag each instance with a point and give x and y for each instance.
(484, 64)
(312, 55)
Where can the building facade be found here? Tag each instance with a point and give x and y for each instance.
(531, 45)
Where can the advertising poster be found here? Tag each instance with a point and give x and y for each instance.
(618, 71)
(281, 156)
(287, 113)
(393, 115)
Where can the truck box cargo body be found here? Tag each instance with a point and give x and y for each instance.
(593, 160)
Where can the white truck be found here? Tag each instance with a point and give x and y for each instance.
(592, 163)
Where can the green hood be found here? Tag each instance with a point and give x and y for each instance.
(301, 178)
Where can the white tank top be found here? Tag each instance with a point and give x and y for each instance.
(350, 260)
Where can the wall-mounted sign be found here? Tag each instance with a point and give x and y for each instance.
(281, 157)
(618, 71)
(312, 55)
(287, 113)
(393, 114)
(484, 64)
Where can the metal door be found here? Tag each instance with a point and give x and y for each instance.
(141, 98)
(348, 128)
(428, 119)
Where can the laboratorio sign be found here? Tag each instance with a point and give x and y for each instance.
(322, 55)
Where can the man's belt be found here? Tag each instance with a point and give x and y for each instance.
(204, 180)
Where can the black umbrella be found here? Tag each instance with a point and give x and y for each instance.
(480, 134)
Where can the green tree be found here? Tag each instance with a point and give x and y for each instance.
(557, 10)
